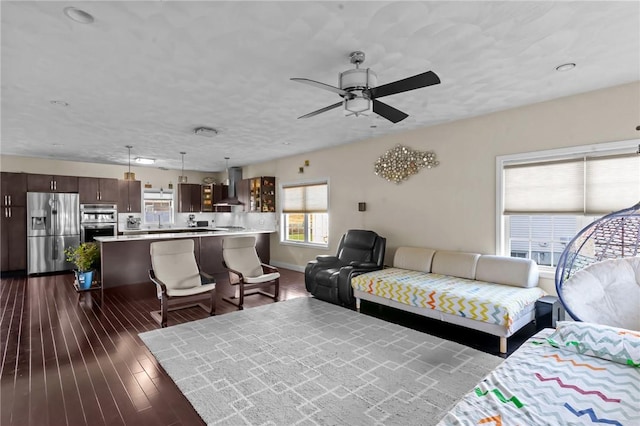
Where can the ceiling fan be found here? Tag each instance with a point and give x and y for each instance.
(359, 93)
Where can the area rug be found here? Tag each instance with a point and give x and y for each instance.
(307, 362)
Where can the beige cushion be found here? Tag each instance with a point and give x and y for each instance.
(414, 258)
(512, 271)
(203, 288)
(455, 263)
(239, 253)
(262, 278)
(174, 263)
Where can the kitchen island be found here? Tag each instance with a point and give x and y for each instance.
(125, 259)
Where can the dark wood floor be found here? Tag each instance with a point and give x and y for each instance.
(72, 359)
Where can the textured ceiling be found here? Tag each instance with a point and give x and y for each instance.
(147, 73)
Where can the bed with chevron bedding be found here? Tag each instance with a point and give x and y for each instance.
(579, 373)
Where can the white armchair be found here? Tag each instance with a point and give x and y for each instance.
(175, 273)
(246, 270)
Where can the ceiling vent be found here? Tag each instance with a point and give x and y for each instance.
(205, 131)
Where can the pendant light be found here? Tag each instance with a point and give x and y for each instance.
(226, 159)
(128, 175)
(182, 178)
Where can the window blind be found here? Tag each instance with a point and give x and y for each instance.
(549, 187)
(612, 183)
(310, 198)
(587, 185)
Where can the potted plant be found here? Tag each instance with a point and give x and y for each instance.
(84, 256)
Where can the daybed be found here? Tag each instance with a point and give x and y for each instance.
(493, 294)
(580, 373)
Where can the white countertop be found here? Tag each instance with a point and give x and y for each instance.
(137, 235)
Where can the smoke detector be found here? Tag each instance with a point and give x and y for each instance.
(205, 131)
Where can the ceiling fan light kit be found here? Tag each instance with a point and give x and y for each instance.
(358, 106)
(360, 92)
(355, 81)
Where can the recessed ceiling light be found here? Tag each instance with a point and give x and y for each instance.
(78, 15)
(142, 160)
(61, 103)
(286, 143)
(566, 67)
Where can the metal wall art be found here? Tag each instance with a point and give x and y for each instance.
(399, 163)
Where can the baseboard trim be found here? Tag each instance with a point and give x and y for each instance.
(285, 265)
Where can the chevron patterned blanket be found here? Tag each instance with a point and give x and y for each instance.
(579, 374)
(482, 301)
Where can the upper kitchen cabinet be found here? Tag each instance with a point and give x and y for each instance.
(129, 200)
(13, 238)
(268, 193)
(189, 198)
(51, 183)
(243, 193)
(220, 192)
(258, 194)
(14, 189)
(207, 198)
(98, 190)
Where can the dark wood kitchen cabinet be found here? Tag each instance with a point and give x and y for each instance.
(220, 192)
(207, 198)
(189, 198)
(129, 199)
(267, 194)
(243, 193)
(51, 183)
(13, 227)
(14, 189)
(258, 194)
(13, 236)
(98, 190)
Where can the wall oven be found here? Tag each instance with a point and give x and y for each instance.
(98, 220)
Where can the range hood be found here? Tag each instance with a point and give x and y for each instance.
(235, 176)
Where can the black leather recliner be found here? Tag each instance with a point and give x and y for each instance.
(329, 277)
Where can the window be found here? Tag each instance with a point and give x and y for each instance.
(305, 217)
(546, 198)
(158, 207)
(543, 237)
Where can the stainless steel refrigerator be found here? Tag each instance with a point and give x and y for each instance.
(53, 224)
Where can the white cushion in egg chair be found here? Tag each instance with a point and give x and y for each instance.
(606, 292)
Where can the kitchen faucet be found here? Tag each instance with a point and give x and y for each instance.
(159, 221)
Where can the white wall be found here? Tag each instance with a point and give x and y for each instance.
(453, 205)
(449, 207)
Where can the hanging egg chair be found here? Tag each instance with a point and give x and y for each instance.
(598, 273)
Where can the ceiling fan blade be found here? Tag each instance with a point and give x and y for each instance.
(321, 110)
(322, 86)
(425, 79)
(388, 112)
